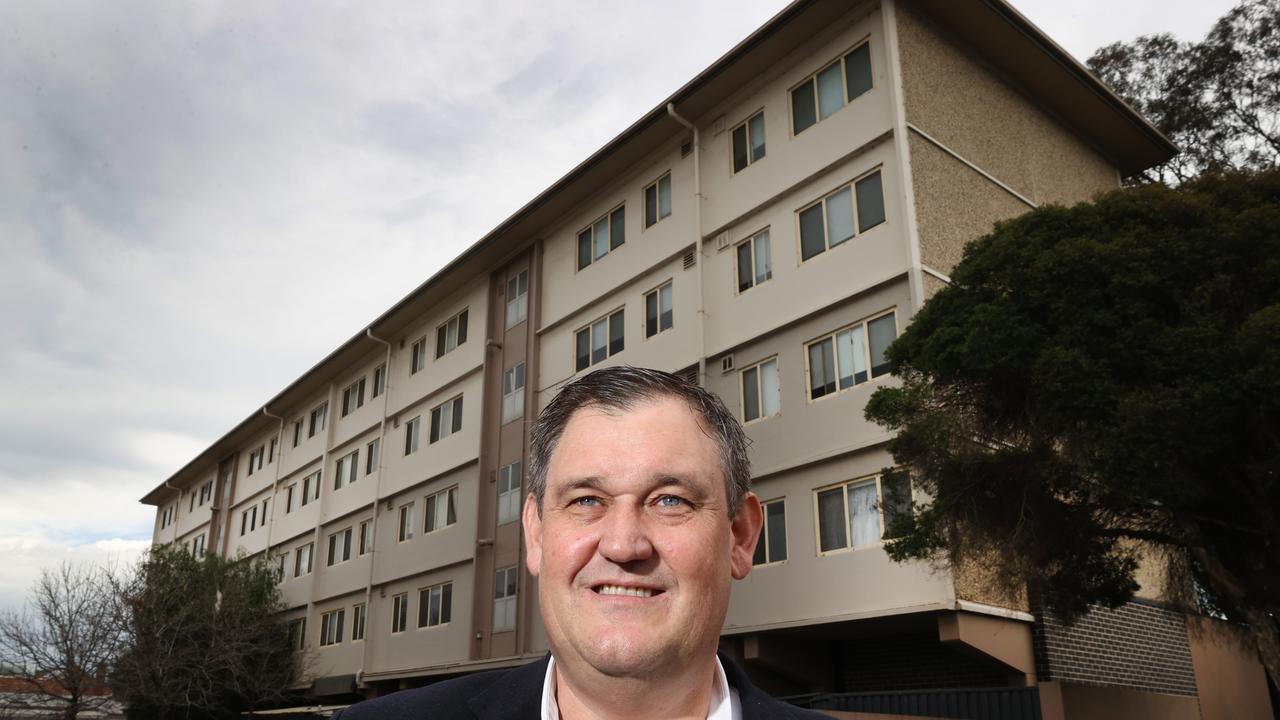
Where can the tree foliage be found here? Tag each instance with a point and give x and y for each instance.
(1100, 383)
(204, 637)
(1217, 99)
(66, 638)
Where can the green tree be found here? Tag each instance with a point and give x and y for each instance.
(1100, 383)
(204, 639)
(1218, 99)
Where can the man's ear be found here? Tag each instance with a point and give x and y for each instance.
(532, 522)
(745, 528)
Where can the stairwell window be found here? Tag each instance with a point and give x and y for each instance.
(513, 393)
(748, 142)
(820, 95)
(599, 340)
(446, 419)
(657, 200)
(504, 600)
(658, 312)
(761, 396)
(772, 545)
(857, 513)
(509, 493)
(601, 237)
(850, 356)
(517, 299)
(451, 334)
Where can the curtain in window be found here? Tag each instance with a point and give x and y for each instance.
(839, 217)
(864, 521)
(830, 92)
(764, 258)
(769, 393)
(883, 331)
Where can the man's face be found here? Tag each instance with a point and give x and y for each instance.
(634, 548)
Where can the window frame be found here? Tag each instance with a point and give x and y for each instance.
(349, 465)
(658, 214)
(500, 582)
(431, 508)
(405, 522)
(298, 553)
(875, 478)
(745, 126)
(510, 471)
(319, 418)
(354, 390)
(865, 324)
(359, 616)
(418, 355)
(764, 534)
(331, 627)
(412, 435)
(607, 218)
(742, 392)
(607, 319)
(841, 60)
(437, 431)
(458, 321)
(737, 268)
(424, 605)
(311, 480)
(399, 612)
(332, 556)
(364, 541)
(858, 230)
(512, 410)
(656, 294)
(379, 381)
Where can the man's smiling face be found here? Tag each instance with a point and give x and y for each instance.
(634, 548)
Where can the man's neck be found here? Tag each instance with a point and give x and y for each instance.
(679, 696)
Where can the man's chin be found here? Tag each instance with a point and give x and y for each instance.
(630, 658)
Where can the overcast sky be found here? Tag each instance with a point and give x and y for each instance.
(199, 201)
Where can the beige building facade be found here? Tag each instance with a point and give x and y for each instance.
(766, 231)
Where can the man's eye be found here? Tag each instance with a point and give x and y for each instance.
(586, 501)
(670, 501)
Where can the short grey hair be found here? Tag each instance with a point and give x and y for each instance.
(622, 388)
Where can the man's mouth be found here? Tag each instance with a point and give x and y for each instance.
(625, 591)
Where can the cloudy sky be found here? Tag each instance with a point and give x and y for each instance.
(199, 201)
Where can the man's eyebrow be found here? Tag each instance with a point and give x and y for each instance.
(596, 483)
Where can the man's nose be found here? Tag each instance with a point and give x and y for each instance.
(624, 537)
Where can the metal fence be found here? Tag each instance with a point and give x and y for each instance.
(962, 704)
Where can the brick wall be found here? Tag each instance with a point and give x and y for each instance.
(1137, 645)
(914, 662)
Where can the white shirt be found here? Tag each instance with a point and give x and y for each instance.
(725, 704)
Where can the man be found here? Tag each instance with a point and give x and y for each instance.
(639, 516)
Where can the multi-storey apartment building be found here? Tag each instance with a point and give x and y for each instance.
(767, 231)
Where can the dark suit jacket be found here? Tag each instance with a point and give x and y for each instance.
(516, 694)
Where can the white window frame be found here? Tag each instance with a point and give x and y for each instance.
(404, 529)
(606, 323)
(749, 149)
(347, 470)
(198, 544)
(365, 538)
(304, 557)
(841, 61)
(504, 603)
(657, 295)
(311, 487)
(752, 244)
(339, 548)
(849, 546)
(764, 534)
(359, 616)
(660, 211)
(597, 249)
(450, 410)
(379, 381)
(297, 630)
(289, 492)
(418, 355)
(451, 333)
(331, 627)
(517, 292)
(353, 397)
(509, 482)
(759, 367)
(855, 217)
(435, 594)
(319, 416)
(435, 510)
(412, 433)
(863, 326)
(372, 451)
(399, 612)
(513, 382)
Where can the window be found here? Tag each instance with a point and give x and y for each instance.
(509, 493)
(840, 361)
(311, 487)
(357, 622)
(826, 91)
(281, 559)
(197, 544)
(772, 546)
(331, 627)
(192, 507)
(353, 397)
(399, 612)
(513, 393)
(856, 513)
(302, 560)
(451, 334)
(297, 432)
(371, 455)
(601, 237)
(412, 430)
(339, 547)
(379, 381)
(435, 605)
(206, 492)
(318, 416)
(418, 355)
(406, 523)
(830, 221)
(517, 299)
(348, 469)
(657, 311)
(441, 509)
(504, 600)
(366, 538)
(166, 516)
(760, 393)
(288, 498)
(748, 142)
(297, 633)
(248, 523)
(657, 201)
(446, 419)
(755, 261)
(264, 511)
(255, 459)
(599, 340)
(271, 452)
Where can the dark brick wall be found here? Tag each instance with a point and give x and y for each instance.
(914, 662)
(1137, 645)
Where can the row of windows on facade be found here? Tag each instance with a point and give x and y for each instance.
(435, 609)
(198, 497)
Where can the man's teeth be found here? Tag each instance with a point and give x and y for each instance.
(619, 590)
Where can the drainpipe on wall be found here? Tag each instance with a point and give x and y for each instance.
(377, 498)
(275, 482)
(697, 245)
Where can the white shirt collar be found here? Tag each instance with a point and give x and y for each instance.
(725, 704)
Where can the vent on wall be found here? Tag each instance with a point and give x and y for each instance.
(686, 148)
(723, 240)
(689, 374)
(726, 364)
(690, 258)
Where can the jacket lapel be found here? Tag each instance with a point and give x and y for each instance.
(516, 696)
